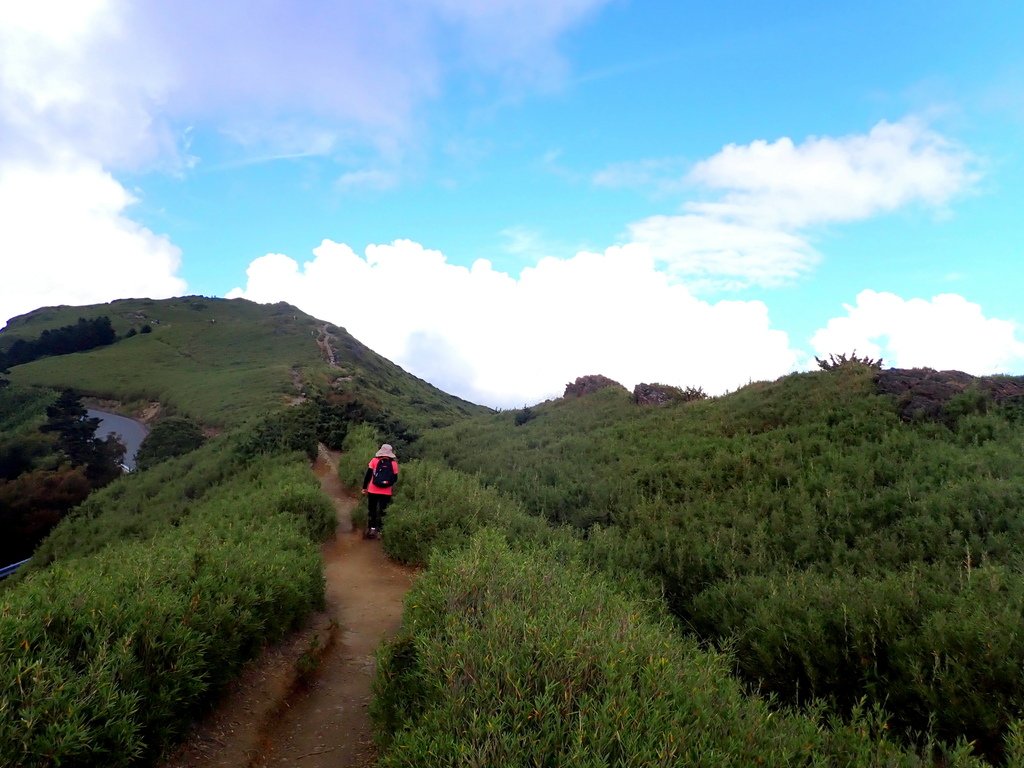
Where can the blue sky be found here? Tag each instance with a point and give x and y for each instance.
(501, 196)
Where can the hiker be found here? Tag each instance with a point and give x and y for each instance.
(378, 484)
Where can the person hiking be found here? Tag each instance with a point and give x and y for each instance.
(378, 485)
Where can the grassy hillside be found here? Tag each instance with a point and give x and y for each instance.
(222, 362)
(839, 552)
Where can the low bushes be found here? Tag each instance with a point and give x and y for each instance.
(945, 647)
(517, 658)
(440, 508)
(170, 437)
(763, 515)
(104, 659)
(141, 505)
(361, 443)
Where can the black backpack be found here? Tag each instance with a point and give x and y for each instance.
(384, 474)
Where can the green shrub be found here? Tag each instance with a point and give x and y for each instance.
(440, 508)
(170, 437)
(361, 443)
(104, 660)
(140, 505)
(515, 658)
(946, 649)
(812, 494)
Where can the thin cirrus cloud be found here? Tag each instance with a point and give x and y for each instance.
(763, 200)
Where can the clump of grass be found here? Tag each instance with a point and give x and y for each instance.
(308, 663)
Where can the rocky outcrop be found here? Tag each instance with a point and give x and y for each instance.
(654, 394)
(924, 392)
(663, 394)
(585, 385)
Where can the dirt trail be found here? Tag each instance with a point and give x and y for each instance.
(270, 717)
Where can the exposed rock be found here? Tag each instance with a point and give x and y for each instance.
(663, 394)
(585, 385)
(653, 394)
(924, 392)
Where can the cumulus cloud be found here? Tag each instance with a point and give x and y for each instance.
(506, 341)
(723, 253)
(827, 179)
(944, 332)
(65, 239)
(763, 200)
(66, 236)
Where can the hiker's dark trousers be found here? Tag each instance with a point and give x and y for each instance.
(378, 505)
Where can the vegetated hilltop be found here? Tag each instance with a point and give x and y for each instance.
(842, 545)
(222, 361)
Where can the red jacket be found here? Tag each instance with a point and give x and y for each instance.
(368, 484)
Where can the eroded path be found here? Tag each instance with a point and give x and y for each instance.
(271, 716)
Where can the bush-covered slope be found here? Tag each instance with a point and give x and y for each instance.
(521, 646)
(842, 552)
(520, 658)
(104, 659)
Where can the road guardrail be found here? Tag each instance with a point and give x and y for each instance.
(7, 570)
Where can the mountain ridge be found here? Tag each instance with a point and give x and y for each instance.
(257, 356)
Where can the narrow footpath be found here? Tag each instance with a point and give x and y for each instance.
(274, 715)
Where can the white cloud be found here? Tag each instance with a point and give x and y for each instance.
(69, 107)
(723, 253)
(116, 80)
(660, 174)
(945, 332)
(766, 198)
(89, 88)
(828, 179)
(370, 178)
(65, 239)
(505, 341)
(74, 80)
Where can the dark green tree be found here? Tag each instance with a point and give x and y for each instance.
(76, 438)
(171, 437)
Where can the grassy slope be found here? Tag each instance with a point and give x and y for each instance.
(223, 361)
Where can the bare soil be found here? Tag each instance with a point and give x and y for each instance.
(274, 715)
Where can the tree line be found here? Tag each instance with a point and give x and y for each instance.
(78, 337)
